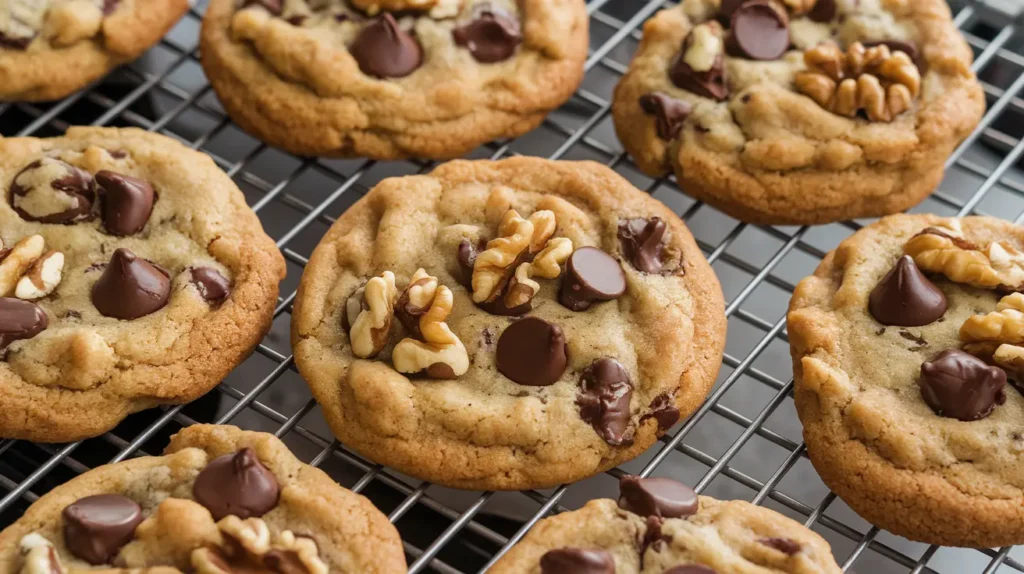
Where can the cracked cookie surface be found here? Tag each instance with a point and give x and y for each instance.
(165, 280)
(166, 513)
(652, 530)
(435, 78)
(906, 356)
(430, 275)
(51, 48)
(853, 117)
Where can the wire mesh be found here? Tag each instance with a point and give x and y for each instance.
(743, 443)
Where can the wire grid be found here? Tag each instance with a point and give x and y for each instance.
(744, 442)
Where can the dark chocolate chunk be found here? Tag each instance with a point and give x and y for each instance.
(213, 287)
(961, 386)
(491, 36)
(713, 83)
(591, 275)
(727, 8)
(127, 202)
(577, 561)
(97, 527)
(384, 50)
(236, 484)
(759, 31)
(906, 298)
(52, 191)
(532, 352)
(669, 113)
(643, 242)
(20, 320)
(661, 497)
(664, 411)
(130, 287)
(604, 397)
(823, 11)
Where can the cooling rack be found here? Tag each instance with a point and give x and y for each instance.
(743, 443)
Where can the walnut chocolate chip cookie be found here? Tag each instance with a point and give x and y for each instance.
(660, 526)
(507, 325)
(220, 500)
(903, 343)
(132, 274)
(50, 48)
(800, 111)
(392, 79)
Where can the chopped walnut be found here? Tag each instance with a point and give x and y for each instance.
(998, 265)
(28, 271)
(371, 329)
(250, 547)
(441, 354)
(38, 556)
(705, 46)
(251, 534)
(547, 264)
(1004, 325)
(881, 83)
(304, 549)
(438, 8)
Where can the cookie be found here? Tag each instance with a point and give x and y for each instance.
(800, 111)
(51, 48)
(219, 500)
(903, 343)
(507, 325)
(392, 79)
(132, 274)
(660, 526)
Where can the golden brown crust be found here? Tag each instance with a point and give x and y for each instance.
(483, 431)
(325, 105)
(770, 155)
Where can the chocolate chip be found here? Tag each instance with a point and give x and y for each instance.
(52, 191)
(662, 497)
(236, 485)
(664, 411)
(905, 297)
(130, 287)
(212, 286)
(669, 113)
(961, 386)
(654, 538)
(759, 31)
(273, 6)
(491, 36)
(713, 83)
(296, 20)
(591, 275)
(605, 393)
(690, 569)
(20, 320)
(577, 561)
(97, 527)
(532, 352)
(823, 11)
(726, 10)
(643, 243)
(384, 50)
(441, 371)
(127, 202)
(784, 545)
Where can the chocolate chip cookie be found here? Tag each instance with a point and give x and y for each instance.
(800, 111)
(219, 500)
(660, 526)
(392, 79)
(132, 274)
(507, 325)
(903, 343)
(51, 48)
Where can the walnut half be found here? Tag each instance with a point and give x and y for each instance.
(997, 265)
(38, 556)
(28, 271)
(250, 547)
(440, 354)
(371, 329)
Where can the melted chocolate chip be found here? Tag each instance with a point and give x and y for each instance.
(643, 242)
(669, 113)
(236, 485)
(661, 497)
(713, 83)
(213, 287)
(97, 527)
(130, 287)
(784, 545)
(591, 275)
(605, 394)
(961, 386)
(664, 411)
(759, 31)
(906, 298)
(491, 36)
(20, 320)
(68, 189)
(273, 6)
(823, 11)
(532, 352)
(466, 258)
(577, 561)
(127, 202)
(690, 569)
(654, 538)
(384, 50)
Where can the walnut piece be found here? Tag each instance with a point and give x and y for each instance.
(1004, 325)
(249, 547)
(38, 556)
(799, 7)
(998, 265)
(547, 264)
(371, 329)
(72, 21)
(304, 548)
(441, 354)
(28, 271)
(438, 8)
(252, 534)
(876, 80)
(497, 269)
(42, 277)
(705, 46)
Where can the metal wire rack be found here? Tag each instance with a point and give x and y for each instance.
(744, 442)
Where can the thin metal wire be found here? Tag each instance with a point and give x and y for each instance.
(457, 531)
